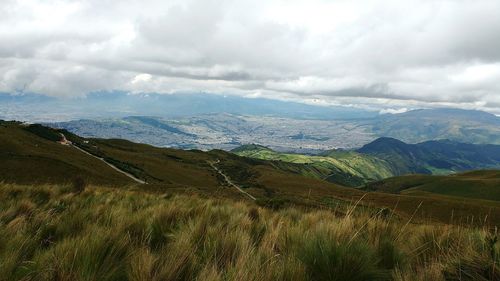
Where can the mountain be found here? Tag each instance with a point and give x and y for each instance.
(37, 108)
(469, 126)
(33, 155)
(433, 157)
(478, 185)
(383, 158)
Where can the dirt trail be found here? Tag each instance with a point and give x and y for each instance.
(228, 180)
(67, 142)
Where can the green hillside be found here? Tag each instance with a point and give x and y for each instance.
(344, 167)
(477, 184)
(433, 157)
(383, 158)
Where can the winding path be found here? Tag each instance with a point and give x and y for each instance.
(67, 142)
(228, 180)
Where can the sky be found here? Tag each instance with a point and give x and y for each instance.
(387, 55)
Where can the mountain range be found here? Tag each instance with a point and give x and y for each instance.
(38, 108)
(385, 157)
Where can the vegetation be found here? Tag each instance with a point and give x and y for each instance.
(477, 184)
(347, 168)
(27, 158)
(433, 157)
(51, 233)
(383, 158)
(30, 155)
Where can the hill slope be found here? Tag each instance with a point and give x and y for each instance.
(344, 167)
(433, 157)
(477, 184)
(383, 158)
(30, 154)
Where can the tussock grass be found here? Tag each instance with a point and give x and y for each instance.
(53, 233)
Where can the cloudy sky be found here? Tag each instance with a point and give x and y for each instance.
(374, 54)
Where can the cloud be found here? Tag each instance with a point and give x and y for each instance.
(393, 110)
(370, 54)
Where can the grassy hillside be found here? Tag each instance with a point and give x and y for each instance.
(344, 167)
(48, 232)
(275, 184)
(30, 154)
(433, 157)
(383, 158)
(478, 185)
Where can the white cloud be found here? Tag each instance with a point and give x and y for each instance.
(393, 110)
(372, 54)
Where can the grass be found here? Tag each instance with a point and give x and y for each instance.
(474, 185)
(347, 168)
(51, 232)
(30, 155)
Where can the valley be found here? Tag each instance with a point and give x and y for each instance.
(292, 134)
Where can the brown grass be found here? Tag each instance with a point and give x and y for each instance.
(51, 233)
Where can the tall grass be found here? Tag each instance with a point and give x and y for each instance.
(53, 233)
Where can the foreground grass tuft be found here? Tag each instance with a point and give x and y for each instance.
(54, 233)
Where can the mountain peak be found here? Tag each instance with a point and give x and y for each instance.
(382, 143)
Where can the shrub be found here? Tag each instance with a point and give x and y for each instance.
(253, 214)
(98, 255)
(389, 254)
(78, 185)
(327, 259)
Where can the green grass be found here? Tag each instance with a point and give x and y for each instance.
(343, 167)
(475, 185)
(47, 232)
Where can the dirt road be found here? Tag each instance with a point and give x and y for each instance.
(66, 142)
(228, 180)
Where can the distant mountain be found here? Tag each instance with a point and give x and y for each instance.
(469, 126)
(433, 157)
(384, 158)
(208, 121)
(118, 104)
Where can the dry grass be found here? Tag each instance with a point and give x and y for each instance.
(52, 233)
